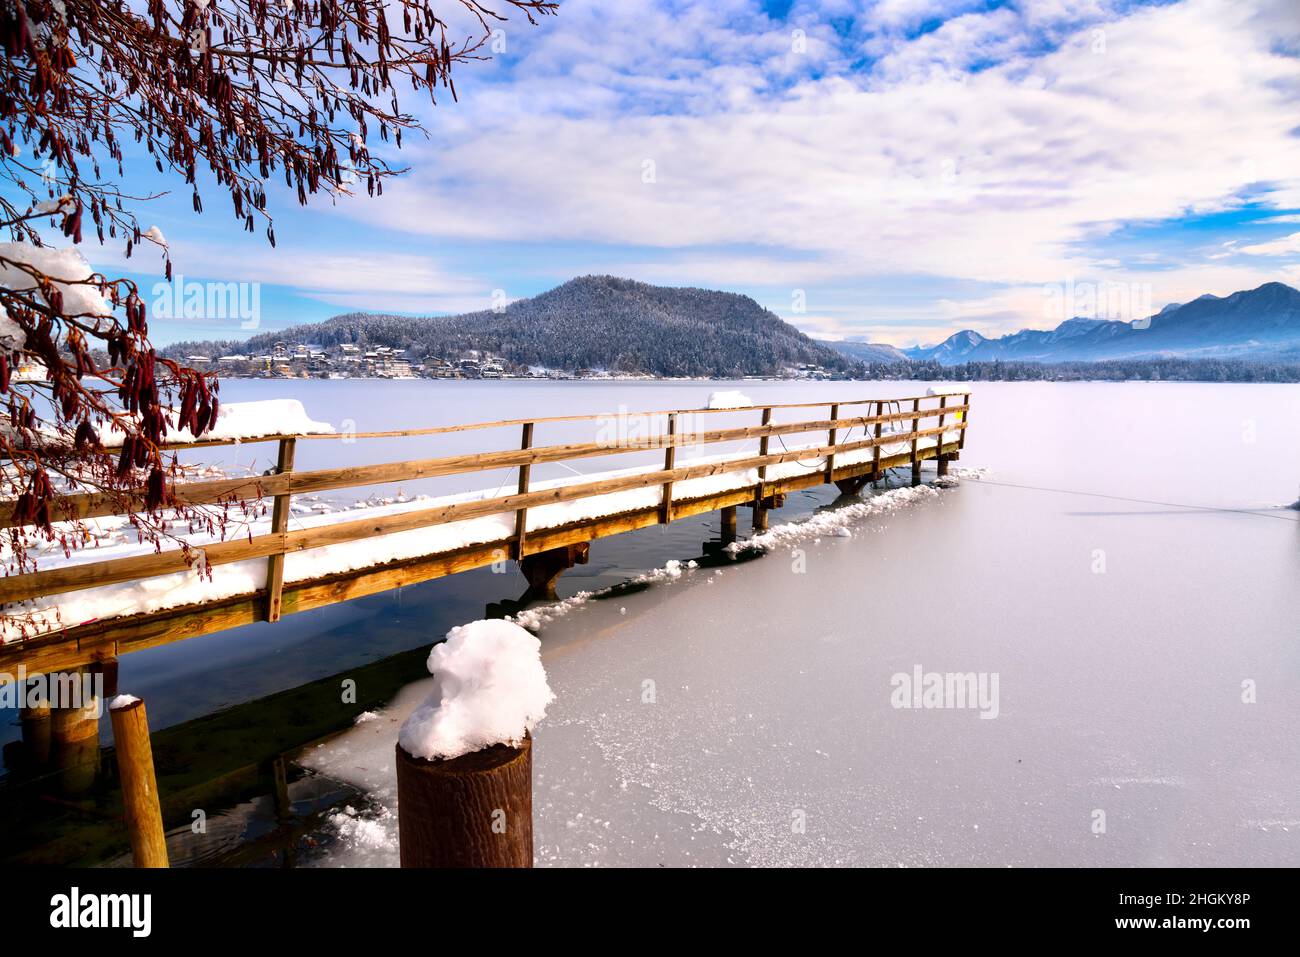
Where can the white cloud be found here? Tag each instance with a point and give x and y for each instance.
(993, 176)
(1285, 246)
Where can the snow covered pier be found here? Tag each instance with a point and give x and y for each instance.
(85, 608)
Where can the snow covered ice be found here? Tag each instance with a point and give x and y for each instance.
(696, 718)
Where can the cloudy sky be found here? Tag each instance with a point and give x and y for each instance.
(893, 170)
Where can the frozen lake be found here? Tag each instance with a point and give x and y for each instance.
(1124, 576)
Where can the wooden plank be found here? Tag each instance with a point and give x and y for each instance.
(521, 515)
(279, 525)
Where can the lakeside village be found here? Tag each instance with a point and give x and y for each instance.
(351, 361)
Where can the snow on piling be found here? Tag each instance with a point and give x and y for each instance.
(465, 756)
(489, 688)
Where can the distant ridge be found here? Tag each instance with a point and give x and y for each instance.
(1262, 323)
(592, 322)
(877, 352)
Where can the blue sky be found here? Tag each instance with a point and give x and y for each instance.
(903, 169)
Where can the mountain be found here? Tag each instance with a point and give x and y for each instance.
(593, 322)
(1256, 323)
(877, 352)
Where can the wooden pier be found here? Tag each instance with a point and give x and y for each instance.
(894, 433)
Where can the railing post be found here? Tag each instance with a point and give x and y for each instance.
(670, 460)
(760, 513)
(875, 450)
(938, 448)
(139, 784)
(279, 525)
(830, 458)
(521, 515)
(965, 421)
(916, 425)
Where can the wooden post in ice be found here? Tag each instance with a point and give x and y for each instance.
(139, 785)
(916, 456)
(729, 524)
(36, 732)
(472, 811)
(74, 732)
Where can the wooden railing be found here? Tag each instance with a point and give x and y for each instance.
(285, 482)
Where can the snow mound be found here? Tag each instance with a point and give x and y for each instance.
(946, 390)
(67, 270)
(246, 420)
(729, 400)
(242, 420)
(122, 701)
(833, 523)
(489, 688)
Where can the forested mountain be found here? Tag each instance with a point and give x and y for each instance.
(1261, 323)
(593, 322)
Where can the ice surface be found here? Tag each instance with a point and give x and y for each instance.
(1124, 594)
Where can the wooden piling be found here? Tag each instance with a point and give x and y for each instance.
(729, 524)
(472, 811)
(543, 569)
(74, 734)
(139, 785)
(36, 733)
